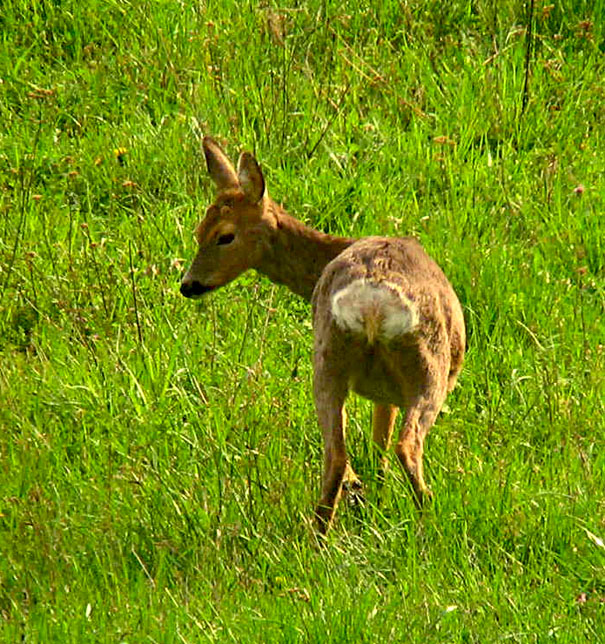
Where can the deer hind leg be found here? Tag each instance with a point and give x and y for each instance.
(383, 422)
(329, 401)
(419, 418)
(334, 467)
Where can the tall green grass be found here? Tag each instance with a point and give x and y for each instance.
(159, 460)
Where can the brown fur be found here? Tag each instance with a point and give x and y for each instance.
(413, 370)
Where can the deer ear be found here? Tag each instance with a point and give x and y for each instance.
(219, 167)
(250, 177)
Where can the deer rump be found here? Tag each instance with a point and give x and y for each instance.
(384, 308)
(374, 309)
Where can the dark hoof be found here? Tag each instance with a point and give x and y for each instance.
(352, 490)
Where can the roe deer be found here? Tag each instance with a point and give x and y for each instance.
(387, 323)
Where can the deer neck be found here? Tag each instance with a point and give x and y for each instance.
(295, 255)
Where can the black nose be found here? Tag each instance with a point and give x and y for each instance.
(194, 289)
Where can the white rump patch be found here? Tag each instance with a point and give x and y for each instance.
(377, 310)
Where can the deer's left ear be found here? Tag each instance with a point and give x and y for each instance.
(250, 177)
(220, 168)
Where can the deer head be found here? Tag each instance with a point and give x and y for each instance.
(230, 236)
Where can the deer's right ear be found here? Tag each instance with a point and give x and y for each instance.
(219, 167)
(251, 178)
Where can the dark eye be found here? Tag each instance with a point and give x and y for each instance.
(225, 239)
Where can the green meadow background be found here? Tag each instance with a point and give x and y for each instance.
(160, 458)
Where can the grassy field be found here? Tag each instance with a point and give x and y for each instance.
(160, 459)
